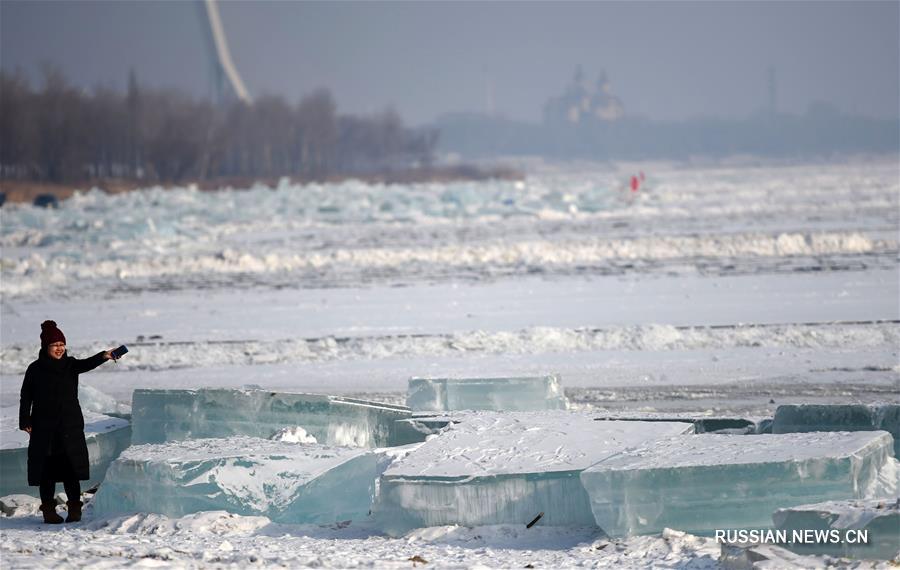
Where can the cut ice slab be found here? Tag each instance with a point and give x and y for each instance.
(172, 415)
(106, 438)
(879, 519)
(506, 468)
(839, 417)
(707, 482)
(287, 482)
(510, 394)
(702, 423)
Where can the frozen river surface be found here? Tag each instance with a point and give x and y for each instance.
(710, 290)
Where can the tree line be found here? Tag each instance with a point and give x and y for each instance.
(60, 133)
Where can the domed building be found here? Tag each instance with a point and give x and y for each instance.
(582, 103)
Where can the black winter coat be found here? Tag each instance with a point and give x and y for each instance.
(49, 406)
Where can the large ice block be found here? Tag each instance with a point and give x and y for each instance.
(710, 481)
(106, 438)
(879, 520)
(702, 423)
(287, 482)
(172, 415)
(506, 468)
(839, 417)
(510, 394)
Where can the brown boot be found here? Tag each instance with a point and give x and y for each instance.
(50, 516)
(74, 511)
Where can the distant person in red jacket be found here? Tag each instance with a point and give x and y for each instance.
(49, 411)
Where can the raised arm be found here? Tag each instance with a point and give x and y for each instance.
(88, 364)
(26, 397)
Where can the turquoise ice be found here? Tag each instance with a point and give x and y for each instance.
(510, 394)
(171, 415)
(106, 438)
(878, 518)
(287, 482)
(506, 468)
(706, 482)
(796, 418)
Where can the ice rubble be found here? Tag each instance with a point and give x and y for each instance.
(93, 400)
(506, 468)
(287, 482)
(106, 438)
(707, 482)
(509, 394)
(169, 415)
(880, 518)
(796, 418)
(764, 556)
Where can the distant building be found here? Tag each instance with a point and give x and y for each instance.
(583, 103)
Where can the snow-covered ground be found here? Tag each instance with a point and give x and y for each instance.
(721, 289)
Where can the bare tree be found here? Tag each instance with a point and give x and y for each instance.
(62, 134)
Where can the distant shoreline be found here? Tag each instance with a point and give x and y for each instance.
(25, 191)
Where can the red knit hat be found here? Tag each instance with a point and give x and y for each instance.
(50, 334)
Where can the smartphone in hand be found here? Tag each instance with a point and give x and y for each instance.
(117, 353)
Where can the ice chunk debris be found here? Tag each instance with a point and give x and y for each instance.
(171, 415)
(839, 417)
(106, 437)
(769, 557)
(287, 482)
(17, 505)
(294, 435)
(93, 400)
(707, 482)
(511, 394)
(505, 468)
(879, 518)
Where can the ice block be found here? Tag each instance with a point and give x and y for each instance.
(506, 468)
(510, 394)
(710, 481)
(287, 482)
(171, 415)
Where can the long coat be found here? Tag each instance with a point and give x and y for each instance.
(49, 406)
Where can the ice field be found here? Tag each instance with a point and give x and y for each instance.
(712, 292)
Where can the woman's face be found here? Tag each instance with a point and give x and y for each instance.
(56, 350)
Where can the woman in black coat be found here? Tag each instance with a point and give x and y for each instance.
(49, 411)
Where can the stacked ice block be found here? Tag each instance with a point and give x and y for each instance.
(707, 482)
(287, 482)
(506, 468)
(839, 417)
(106, 438)
(508, 394)
(171, 415)
(702, 423)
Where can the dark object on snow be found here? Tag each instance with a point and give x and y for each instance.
(45, 201)
(417, 559)
(50, 515)
(536, 519)
(74, 511)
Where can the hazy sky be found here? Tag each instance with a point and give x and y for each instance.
(666, 60)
